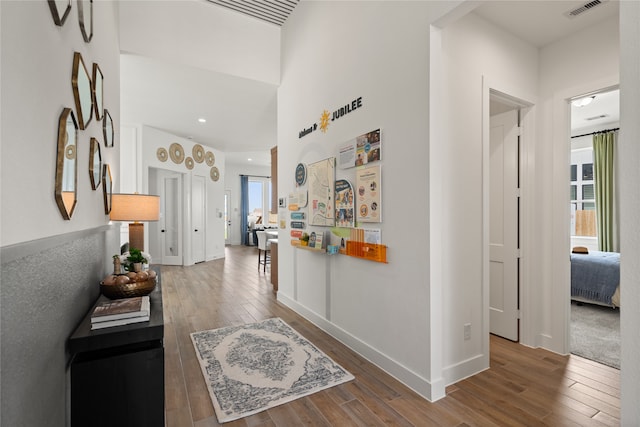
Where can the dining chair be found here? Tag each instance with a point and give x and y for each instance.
(263, 246)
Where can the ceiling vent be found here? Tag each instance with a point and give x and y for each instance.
(601, 116)
(581, 9)
(272, 11)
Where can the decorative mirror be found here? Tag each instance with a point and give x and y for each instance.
(97, 90)
(106, 188)
(85, 17)
(107, 129)
(82, 91)
(95, 163)
(60, 10)
(67, 165)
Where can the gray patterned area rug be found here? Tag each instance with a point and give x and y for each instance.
(254, 367)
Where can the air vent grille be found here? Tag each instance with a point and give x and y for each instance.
(272, 11)
(587, 6)
(601, 116)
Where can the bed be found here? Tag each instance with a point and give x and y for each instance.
(595, 278)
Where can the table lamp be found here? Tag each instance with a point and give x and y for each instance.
(135, 207)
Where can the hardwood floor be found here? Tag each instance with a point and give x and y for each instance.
(523, 387)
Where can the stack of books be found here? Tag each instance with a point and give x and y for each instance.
(120, 312)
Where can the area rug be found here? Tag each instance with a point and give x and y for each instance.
(254, 367)
(595, 333)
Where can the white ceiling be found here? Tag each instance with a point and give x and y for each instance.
(241, 113)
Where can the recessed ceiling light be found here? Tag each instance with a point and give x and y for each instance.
(250, 159)
(202, 120)
(582, 102)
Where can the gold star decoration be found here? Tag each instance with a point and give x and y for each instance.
(324, 121)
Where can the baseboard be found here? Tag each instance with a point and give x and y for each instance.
(465, 369)
(431, 391)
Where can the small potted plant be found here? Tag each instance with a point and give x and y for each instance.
(304, 239)
(135, 260)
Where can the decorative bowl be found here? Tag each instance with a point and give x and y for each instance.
(128, 290)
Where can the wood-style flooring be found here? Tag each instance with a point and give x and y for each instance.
(523, 387)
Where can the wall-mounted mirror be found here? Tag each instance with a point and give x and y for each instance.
(82, 91)
(98, 92)
(107, 129)
(85, 18)
(60, 10)
(106, 188)
(95, 163)
(67, 164)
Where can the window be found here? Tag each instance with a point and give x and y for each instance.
(259, 200)
(583, 206)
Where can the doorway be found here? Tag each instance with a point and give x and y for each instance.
(504, 221)
(227, 218)
(166, 235)
(503, 165)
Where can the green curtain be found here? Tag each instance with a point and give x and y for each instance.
(603, 147)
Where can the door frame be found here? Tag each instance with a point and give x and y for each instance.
(510, 96)
(203, 212)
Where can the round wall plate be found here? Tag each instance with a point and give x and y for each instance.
(176, 152)
(198, 153)
(162, 154)
(210, 158)
(215, 174)
(188, 162)
(301, 174)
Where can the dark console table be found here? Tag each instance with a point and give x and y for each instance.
(117, 373)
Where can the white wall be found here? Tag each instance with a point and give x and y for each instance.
(36, 85)
(232, 183)
(475, 52)
(141, 144)
(629, 150)
(583, 62)
(50, 268)
(202, 35)
(333, 53)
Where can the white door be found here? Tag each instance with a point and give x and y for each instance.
(198, 197)
(503, 225)
(170, 223)
(227, 217)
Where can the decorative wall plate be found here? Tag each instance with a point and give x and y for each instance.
(198, 153)
(301, 174)
(215, 174)
(176, 152)
(188, 162)
(162, 154)
(210, 158)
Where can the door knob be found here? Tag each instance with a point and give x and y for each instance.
(162, 231)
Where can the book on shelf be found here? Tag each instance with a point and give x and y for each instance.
(119, 322)
(126, 308)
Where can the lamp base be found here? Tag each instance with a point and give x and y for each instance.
(136, 235)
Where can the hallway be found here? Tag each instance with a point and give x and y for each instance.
(524, 386)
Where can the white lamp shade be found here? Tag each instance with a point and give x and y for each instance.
(134, 207)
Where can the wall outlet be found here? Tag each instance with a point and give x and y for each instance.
(467, 331)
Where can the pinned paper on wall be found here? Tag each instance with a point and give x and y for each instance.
(345, 216)
(322, 179)
(368, 204)
(361, 150)
(299, 199)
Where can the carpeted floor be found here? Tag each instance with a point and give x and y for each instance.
(595, 333)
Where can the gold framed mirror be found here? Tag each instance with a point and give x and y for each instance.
(85, 18)
(66, 189)
(60, 10)
(95, 163)
(107, 191)
(107, 129)
(97, 90)
(82, 91)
